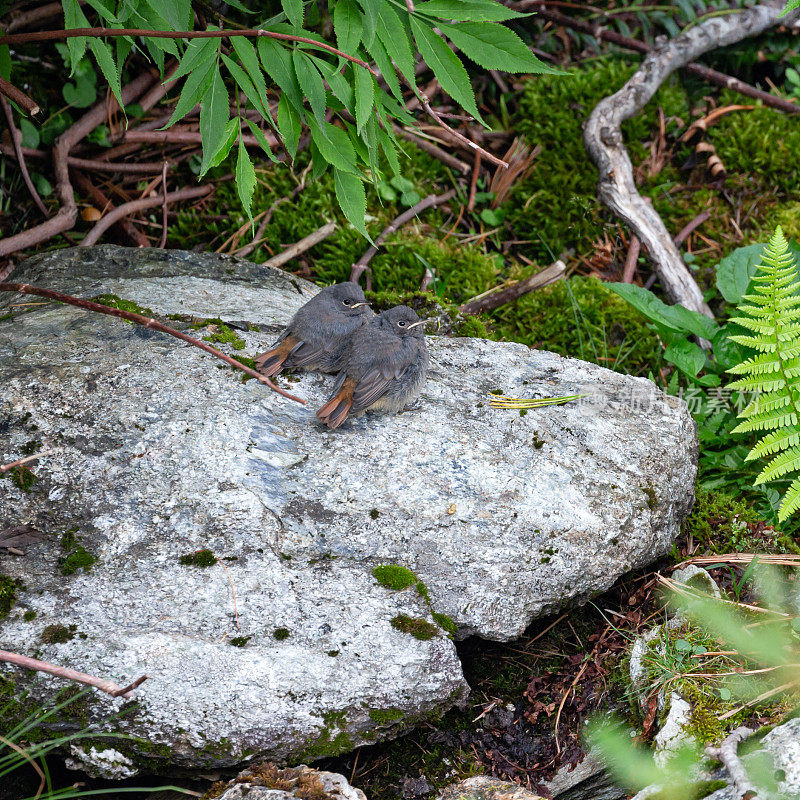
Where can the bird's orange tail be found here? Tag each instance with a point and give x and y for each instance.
(335, 411)
(271, 362)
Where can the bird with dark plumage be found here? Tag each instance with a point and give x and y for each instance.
(318, 336)
(385, 370)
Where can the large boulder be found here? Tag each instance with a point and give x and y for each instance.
(288, 646)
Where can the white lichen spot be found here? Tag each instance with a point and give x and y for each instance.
(108, 763)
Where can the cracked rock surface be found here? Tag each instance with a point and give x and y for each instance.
(163, 451)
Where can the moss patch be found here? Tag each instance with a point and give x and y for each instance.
(78, 558)
(22, 477)
(280, 634)
(394, 576)
(383, 716)
(58, 634)
(200, 558)
(240, 641)
(112, 301)
(418, 628)
(719, 522)
(222, 334)
(9, 591)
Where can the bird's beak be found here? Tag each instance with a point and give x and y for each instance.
(356, 305)
(421, 322)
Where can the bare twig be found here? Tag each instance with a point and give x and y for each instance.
(98, 165)
(67, 214)
(631, 259)
(410, 6)
(140, 205)
(18, 96)
(248, 248)
(430, 201)
(164, 208)
(687, 229)
(501, 295)
(304, 244)
(62, 35)
(473, 183)
(26, 460)
(183, 137)
(7, 270)
(727, 755)
(147, 322)
(16, 139)
(109, 687)
(432, 150)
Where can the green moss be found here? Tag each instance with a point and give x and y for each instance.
(418, 628)
(31, 447)
(374, 513)
(9, 591)
(22, 477)
(240, 641)
(446, 623)
(58, 634)
(78, 558)
(224, 335)
(68, 538)
(383, 716)
(200, 558)
(331, 741)
(112, 301)
(280, 634)
(582, 318)
(650, 494)
(29, 615)
(719, 522)
(394, 576)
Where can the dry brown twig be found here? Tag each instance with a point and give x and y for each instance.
(631, 259)
(430, 201)
(147, 322)
(19, 462)
(164, 208)
(18, 96)
(304, 244)
(109, 687)
(500, 295)
(727, 755)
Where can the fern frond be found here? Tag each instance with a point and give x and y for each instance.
(771, 313)
(790, 502)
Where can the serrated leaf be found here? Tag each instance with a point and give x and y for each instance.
(261, 139)
(103, 10)
(177, 13)
(394, 36)
(319, 166)
(249, 58)
(334, 145)
(469, 10)
(338, 84)
(379, 55)
(494, 46)
(289, 125)
(446, 66)
(294, 11)
(370, 21)
(231, 132)
(370, 135)
(155, 22)
(239, 6)
(365, 96)
(310, 81)
(75, 18)
(105, 60)
(214, 116)
(194, 91)
(245, 84)
(277, 63)
(245, 179)
(389, 149)
(197, 53)
(352, 199)
(348, 25)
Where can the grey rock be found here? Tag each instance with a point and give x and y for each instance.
(481, 787)
(587, 780)
(163, 451)
(266, 782)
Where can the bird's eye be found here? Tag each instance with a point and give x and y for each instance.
(402, 323)
(348, 302)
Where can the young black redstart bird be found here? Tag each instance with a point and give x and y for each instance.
(386, 367)
(318, 336)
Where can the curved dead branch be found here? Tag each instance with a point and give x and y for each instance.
(604, 143)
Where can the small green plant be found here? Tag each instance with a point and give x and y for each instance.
(770, 314)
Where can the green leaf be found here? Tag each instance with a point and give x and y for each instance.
(686, 356)
(365, 96)
(277, 63)
(245, 179)
(5, 61)
(370, 21)
(262, 140)
(104, 11)
(43, 186)
(194, 90)
(790, 6)
(75, 18)
(682, 645)
(105, 60)
(294, 11)
(289, 125)
(352, 198)
(395, 39)
(338, 84)
(469, 10)
(239, 6)
(198, 53)
(390, 150)
(245, 84)
(348, 25)
(378, 53)
(82, 93)
(310, 81)
(674, 318)
(446, 67)
(247, 55)
(214, 116)
(334, 146)
(30, 133)
(177, 13)
(494, 46)
(735, 271)
(221, 153)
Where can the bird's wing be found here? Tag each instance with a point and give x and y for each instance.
(377, 380)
